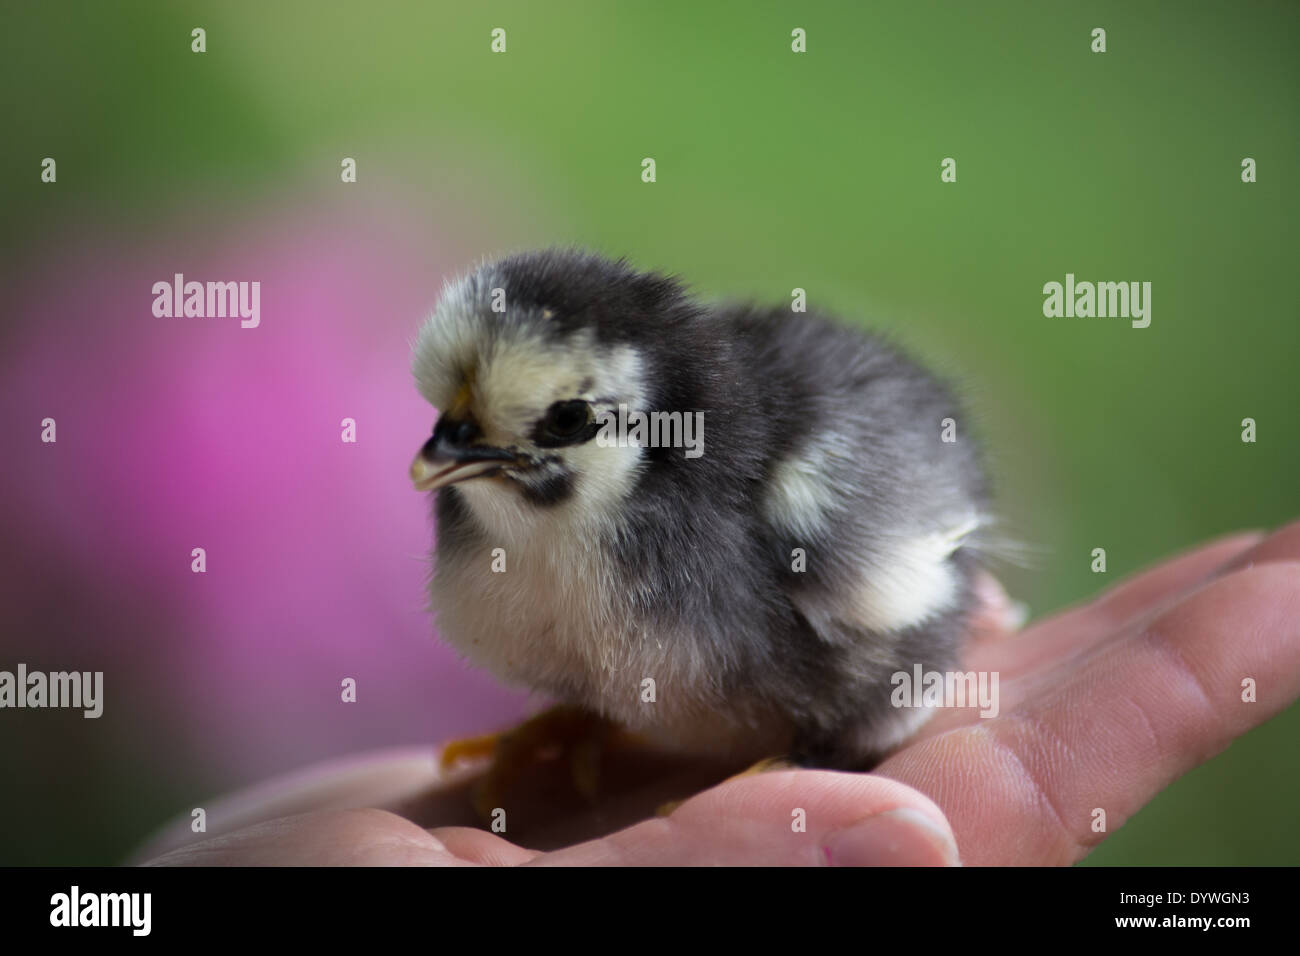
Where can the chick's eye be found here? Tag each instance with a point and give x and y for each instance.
(566, 421)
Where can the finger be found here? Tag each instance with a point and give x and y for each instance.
(788, 818)
(325, 838)
(481, 847)
(388, 779)
(1170, 578)
(545, 810)
(1047, 643)
(1135, 714)
(1281, 545)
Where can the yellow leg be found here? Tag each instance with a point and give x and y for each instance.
(766, 765)
(562, 731)
(467, 748)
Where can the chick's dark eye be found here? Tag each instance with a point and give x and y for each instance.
(566, 421)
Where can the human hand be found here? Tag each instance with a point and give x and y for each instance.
(1101, 706)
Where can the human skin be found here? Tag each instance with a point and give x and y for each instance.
(1102, 705)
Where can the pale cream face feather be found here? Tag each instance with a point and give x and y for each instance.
(508, 380)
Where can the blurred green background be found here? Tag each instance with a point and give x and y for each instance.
(778, 170)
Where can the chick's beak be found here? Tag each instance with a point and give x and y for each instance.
(429, 476)
(449, 457)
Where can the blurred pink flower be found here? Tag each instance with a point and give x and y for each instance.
(177, 433)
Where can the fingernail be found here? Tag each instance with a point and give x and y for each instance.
(1248, 539)
(990, 592)
(1017, 615)
(902, 837)
(992, 597)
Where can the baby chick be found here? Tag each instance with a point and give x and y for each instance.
(750, 599)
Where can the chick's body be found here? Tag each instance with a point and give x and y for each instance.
(770, 587)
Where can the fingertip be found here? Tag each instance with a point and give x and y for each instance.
(784, 818)
(1264, 548)
(996, 614)
(901, 837)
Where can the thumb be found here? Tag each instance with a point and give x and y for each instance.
(783, 818)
